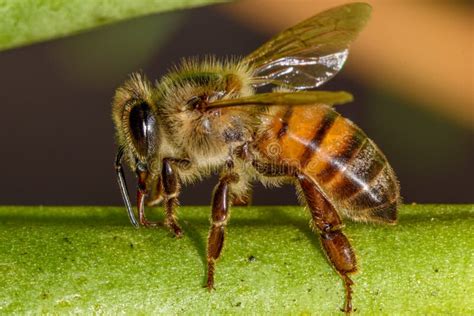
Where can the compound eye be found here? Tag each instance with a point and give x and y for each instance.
(142, 128)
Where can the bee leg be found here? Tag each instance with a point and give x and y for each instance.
(335, 244)
(324, 218)
(171, 190)
(141, 196)
(220, 212)
(157, 194)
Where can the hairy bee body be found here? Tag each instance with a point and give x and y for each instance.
(346, 165)
(207, 117)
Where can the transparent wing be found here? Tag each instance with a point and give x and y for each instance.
(285, 98)
(301, 72)
(313, 51)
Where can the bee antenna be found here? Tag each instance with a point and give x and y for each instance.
(123, 186)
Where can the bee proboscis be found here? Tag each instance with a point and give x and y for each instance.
(206, 117)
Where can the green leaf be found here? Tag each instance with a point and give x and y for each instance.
(27, 21)
(88, 260)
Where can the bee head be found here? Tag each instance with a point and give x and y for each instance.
(134, 116)
(135, 121)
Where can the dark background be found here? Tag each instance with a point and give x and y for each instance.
(57, 135)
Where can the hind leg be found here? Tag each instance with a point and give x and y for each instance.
(325, 219)
(335, 244)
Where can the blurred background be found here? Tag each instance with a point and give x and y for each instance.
(411, 72)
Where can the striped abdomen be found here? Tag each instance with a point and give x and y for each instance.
(346, 165)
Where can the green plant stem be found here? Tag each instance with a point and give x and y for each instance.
(27, 21)
(90, 260)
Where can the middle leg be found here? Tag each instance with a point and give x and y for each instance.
(220, 213)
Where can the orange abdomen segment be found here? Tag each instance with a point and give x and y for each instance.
(347, 166)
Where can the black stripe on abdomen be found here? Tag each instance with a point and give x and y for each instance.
(320, 132)
(340, 160)
(360, 171)
(382, 190)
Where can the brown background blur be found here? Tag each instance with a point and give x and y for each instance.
(411, 72)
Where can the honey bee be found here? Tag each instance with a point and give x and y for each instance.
(205, 117)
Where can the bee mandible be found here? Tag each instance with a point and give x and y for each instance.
(206, 117)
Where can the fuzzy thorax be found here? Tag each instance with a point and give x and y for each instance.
(206, 137)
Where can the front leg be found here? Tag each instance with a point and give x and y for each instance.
(220, 214)
(171, 190)
(142, 193)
